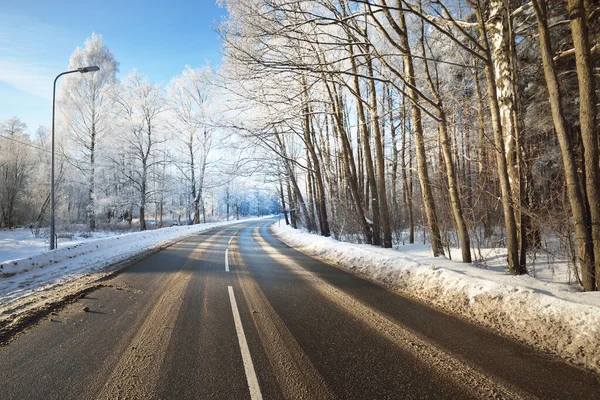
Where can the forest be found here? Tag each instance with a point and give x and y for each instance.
(470, 123)
(466, 124)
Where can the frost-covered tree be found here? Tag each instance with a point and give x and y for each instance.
(139, 105)
(16, 165)
(191, 101)
(87, 105)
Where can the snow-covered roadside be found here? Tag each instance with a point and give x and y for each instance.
(41, 280)
(20, 243)
(546, 315)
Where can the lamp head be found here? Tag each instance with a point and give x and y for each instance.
(92, 68)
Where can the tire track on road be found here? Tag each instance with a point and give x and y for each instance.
(470, 379)
(137, 371)
(296, 375)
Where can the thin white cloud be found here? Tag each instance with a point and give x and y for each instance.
(31, 79)
(29, 50)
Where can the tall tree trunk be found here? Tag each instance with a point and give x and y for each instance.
(285, 213)
(407, 165)
(587, 118)
(318, 182)
(512, 242)
(503, 62)
(292, 178)
(228, 199)
(366, 141)
(577, 200)
(309, 139)
(292, 206)
(309, 187)
(361, 164)
(522, 172)
(384, 214)
(348, 168)
(160, 213)
(200, 197)
(393, 132)
(194, 195)
(143, 217)
(451, 176)
(459, 220)
(417, 123)
(91, 211)
(483, 154)
(328, 166)
(143, 226)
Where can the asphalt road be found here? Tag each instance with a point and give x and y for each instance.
(233, 313)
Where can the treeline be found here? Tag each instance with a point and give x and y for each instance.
(474, 119)
(127, 151)
(25, 190)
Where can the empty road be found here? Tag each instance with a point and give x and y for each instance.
(233, 313)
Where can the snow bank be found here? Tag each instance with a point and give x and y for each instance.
(20, 243)
(43, 279)
(549, 316)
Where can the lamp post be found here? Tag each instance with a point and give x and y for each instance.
(82, 70)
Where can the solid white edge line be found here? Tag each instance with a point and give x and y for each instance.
(248, 366)
(227, 260)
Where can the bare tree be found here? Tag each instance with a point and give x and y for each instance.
(16, 166)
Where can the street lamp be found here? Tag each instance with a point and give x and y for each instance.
(82, 70)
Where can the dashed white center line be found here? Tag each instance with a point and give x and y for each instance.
(248, 366)
(227, 251)
(232, 236)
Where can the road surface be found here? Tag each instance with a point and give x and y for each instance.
(233, 313)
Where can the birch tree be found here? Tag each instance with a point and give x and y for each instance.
(88, 110)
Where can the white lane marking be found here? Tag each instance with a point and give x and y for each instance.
(248, 366)
(227, 260)
(231, 238)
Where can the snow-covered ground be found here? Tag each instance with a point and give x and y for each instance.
(21, 242)
(555, 317)
(32, 277)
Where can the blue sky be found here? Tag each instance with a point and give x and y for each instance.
(157, 37)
